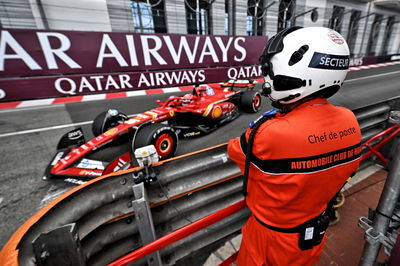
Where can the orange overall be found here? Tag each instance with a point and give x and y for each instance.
(300, 161)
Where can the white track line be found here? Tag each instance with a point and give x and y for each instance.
(135, 93)
(29, 131)
(36, 103)
(93, 97)
(374, 76)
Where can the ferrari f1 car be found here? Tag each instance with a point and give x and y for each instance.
(117, 136)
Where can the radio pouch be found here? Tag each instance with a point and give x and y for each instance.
(312, 232)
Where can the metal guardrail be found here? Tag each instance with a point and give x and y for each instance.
(189, 187)
(372, 120)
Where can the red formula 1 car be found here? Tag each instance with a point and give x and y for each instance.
(117, 136)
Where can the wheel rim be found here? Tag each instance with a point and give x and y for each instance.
(257, 102)
(164, 145)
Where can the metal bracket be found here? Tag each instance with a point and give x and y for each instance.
(388, 246)
(374, 237)
(144, 222)
(60, 246)
(394, 117)
(145, 175)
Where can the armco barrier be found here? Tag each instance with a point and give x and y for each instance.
(189, 187)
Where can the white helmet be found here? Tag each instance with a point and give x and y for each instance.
(298, 62)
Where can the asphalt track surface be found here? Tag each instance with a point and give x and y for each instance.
(29, 136)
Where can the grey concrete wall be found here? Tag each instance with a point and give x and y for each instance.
(121, 18)
(241, 15)
(271, 19)
(17, 14)
(364, 23)
(88, 15)
(176, 16)
(364, 29)
(218, 17)
(320, 5)
(395, 41)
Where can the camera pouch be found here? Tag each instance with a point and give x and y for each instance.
(312, 232)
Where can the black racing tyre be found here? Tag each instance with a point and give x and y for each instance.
(250, 101)
(105, 121)
(98, 124)
(163, 137)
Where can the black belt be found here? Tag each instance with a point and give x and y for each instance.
(296, 229)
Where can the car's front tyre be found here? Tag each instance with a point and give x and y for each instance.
(163, 137)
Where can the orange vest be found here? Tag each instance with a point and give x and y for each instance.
(300, 161)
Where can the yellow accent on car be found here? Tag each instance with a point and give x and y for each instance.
(152, 114)
(217, 112)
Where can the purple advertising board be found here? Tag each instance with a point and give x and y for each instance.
(41, 64)
(362, 61)
(75, 85)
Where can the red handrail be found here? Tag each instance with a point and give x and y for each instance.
(374, 150)
(232, 258)
(179, 234)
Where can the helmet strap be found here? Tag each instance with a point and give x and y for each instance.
(277, 103)
(286, 108)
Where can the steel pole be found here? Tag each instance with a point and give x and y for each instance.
(386, 205)
(255, 20)
(42, 15)
(198, 17)
(365, 30)
(231, 17)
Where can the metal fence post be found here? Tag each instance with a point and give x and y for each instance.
(376, 233)
(144, 222)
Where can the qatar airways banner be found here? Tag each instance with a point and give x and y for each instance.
(368, 60)
(42, 64)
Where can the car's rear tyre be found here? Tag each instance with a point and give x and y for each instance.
(163, 137)
(250, 101)
(107, 120)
